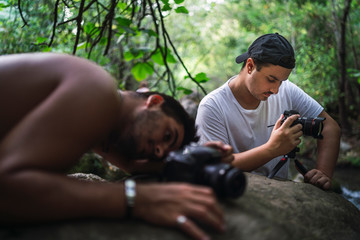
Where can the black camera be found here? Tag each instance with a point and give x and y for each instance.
(310, 126)
(202, 165)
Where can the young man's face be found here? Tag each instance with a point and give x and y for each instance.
(262, 84)
(152, 136)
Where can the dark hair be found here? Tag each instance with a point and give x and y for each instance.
(172, 108)
(258, 64)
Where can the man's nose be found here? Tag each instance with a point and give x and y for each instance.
(275, 90)
(159, 150)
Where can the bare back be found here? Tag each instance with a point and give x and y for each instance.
(53, 106)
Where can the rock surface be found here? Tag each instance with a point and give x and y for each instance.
(269, 209)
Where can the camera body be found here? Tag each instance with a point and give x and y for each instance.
(202, 165)
(310, 126)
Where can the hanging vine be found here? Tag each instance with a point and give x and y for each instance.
(104, 24)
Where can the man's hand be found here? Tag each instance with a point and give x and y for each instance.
(284, 138)
(163, 204)
(318, 178)
(225, 149)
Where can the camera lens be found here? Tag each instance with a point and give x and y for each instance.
(313, 126)
(234, 183)
(227, 182)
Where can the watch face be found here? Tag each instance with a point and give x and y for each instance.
(130, 192)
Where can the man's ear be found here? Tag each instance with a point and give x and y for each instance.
(250, 65)
(154, 100)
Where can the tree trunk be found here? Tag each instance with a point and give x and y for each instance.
(340, 36)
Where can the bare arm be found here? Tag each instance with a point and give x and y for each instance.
(66, 97)
(283, 139)
(328, 152)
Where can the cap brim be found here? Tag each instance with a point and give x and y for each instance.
(242, 57)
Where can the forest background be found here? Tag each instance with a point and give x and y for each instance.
(181, 46)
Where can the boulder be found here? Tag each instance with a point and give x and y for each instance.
(269, 209)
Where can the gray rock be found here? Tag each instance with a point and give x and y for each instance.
(87, 177)
(191, 103)
(269, 209)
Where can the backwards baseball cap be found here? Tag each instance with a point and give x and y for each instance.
(271, 48)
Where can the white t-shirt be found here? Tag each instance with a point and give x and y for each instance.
(221, 118)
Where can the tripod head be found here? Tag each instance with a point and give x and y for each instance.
(293, 152)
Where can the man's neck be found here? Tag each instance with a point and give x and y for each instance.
(129, 105)
(242, 94)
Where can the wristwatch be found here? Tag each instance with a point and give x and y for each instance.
(130, 193)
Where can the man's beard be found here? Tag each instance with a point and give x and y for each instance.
(127, 145)
(128, 148)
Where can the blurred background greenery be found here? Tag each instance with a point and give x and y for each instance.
(181, 46)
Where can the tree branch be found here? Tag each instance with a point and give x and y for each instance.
(78, 21)
(54, 23)
(21, 14)
(110, 18)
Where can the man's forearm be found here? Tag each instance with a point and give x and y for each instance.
(32, 196)
(253, 158)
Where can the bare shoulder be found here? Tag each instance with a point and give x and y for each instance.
(29, 79)
(33, 71)
(68, 103)
(51, 64)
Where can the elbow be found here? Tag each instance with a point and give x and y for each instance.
(335, 130)
(332, 129)
(5, 189)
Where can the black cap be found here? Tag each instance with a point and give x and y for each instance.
(271, 48)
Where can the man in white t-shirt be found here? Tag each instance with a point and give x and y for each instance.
(240, 112)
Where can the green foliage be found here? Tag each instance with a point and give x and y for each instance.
(355, 74)
(354, 160)
(93, 163)
(89, 163)
(179, 46)
(129, 38)
(158, 57)
(142, 70)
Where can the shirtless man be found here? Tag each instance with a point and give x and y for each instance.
(56, 107)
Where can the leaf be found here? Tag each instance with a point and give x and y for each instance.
(166, 7)
(46, 49)
(81, 45)
(136, 53)
(184, 90)
(88, 28)
(170, 58)
(150, 32)
(157, 57)
(128, 56)
(142, 70)
(128, 30)
(181, 10)
(165, 1)
(179, 1)
(103, 41)
(122, 5)
(3, 5)
(40, 40)
(123, 21)
(201, 77)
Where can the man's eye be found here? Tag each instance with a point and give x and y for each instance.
(167, 136)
